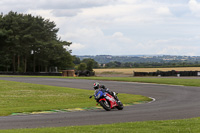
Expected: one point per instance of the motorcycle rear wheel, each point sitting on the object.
(105, 105)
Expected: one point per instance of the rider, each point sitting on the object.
(98, 87)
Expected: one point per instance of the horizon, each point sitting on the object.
(136, 55)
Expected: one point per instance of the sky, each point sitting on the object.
(120, 27)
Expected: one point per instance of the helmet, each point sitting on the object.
(96, 85)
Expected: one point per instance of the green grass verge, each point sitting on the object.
(169, 126)
(16, 97)
(170, 81)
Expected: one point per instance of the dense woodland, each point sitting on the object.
(30, 44)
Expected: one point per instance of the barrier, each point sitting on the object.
(33, 73)
(69, 73)
(85, 73)
(168, 73)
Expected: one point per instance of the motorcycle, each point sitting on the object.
(107, 101)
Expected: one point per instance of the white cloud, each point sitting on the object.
(77, 46)
(194, 7)
(179, 50)
(120, 26)
(118, 36)
(82, 34)
(72, 4)
(65, 12)
(176, 46)
(163, 11)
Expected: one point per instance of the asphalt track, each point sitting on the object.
(172, 102)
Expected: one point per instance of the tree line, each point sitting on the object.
(116, 64)
(30, 44)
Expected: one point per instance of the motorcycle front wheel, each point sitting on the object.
(120, 106)
(105, 105)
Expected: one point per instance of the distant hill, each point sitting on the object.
(102, 59)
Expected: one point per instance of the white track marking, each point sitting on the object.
(153, 99)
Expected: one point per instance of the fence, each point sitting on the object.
(70, 73)
(33, 73)
(168, 73)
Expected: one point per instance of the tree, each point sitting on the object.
(82, 67)
(91, 63)
(114, 64)
(32, 43)
(76, 60)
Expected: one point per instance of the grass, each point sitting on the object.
(18, 97)
(170, 81)
(169, 126)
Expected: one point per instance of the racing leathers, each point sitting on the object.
(103, 89)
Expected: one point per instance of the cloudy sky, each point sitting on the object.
(120, 27)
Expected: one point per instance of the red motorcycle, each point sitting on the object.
(107, 101)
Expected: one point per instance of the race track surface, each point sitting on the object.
(172, 102)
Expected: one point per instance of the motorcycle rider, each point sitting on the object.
(98, 87)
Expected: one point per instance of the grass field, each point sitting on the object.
(129, 71)
(18, 97)
(169, 126)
